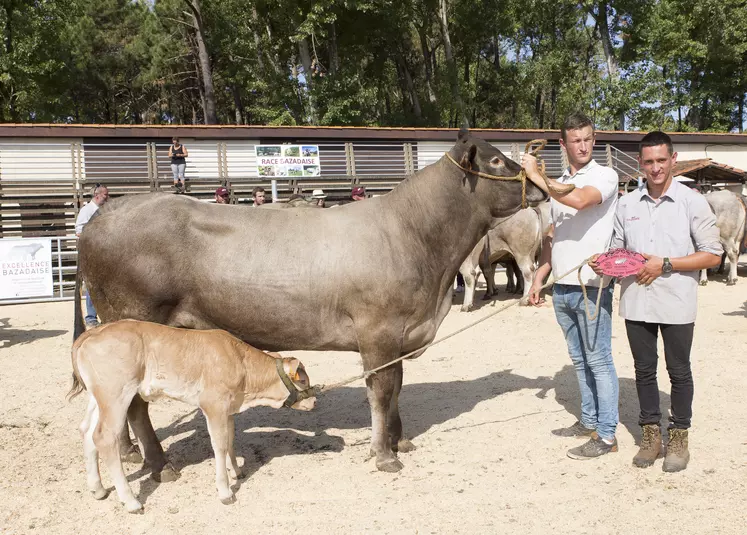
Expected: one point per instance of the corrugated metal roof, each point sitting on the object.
(707, 169)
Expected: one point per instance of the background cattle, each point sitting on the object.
(373, 277)
(731, 219)
(519, 236)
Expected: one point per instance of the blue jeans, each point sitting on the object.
(177, 169)
(90, 310)
(590, 348)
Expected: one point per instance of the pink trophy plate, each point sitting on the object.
(620, 262)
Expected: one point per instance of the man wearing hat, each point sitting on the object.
(319, 195)
(358, 193)
(221, 196)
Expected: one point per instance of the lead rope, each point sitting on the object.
(320, 389)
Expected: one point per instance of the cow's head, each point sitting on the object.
(503, 197)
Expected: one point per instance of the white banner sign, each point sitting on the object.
(288, 160)
(25, 268)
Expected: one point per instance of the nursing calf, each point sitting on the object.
(209, 369)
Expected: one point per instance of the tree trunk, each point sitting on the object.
(211, 115)
(450, 62)
(238, 105)
(609, 51)
(409, 87)
(257, 40)
(303, 51)
(334, 58)
(427, 53)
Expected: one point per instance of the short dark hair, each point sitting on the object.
(575, 121)
(654, 139)
(257, 189)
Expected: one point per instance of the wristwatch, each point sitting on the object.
(667, 267)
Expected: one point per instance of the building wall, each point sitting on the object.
(734, 155)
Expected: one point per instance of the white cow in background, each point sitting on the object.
(731, 219)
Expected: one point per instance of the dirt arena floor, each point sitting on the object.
(479, 408)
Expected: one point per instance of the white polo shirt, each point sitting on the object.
(85, 215)
(580, 234)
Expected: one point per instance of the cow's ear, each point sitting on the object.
(468, 158)
(463, 133)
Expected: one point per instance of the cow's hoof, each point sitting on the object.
(100, 494)
(731, 283)
(167, 474)
(524, 301)
(133, 455)
(466, 308)
(703, 283)
(405, 446)
(391, 465)
(228, 501)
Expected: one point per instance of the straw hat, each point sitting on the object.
(318, 194)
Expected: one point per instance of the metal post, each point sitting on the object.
(515, 154)
(225, 163)
(59, 264)
(609, 155)
(350, 159)
(409, 160)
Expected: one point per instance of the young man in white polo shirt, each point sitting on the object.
(582, 223)
(100, 195)
(675, 229)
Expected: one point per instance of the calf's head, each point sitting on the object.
(502, 197)
(301, 395)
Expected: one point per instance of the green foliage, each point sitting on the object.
(641, 64)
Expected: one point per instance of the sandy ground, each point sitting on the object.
(479, 407)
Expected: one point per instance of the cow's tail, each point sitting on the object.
(79, 326)
(78, 329)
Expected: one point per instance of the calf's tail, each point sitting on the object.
(78, 385)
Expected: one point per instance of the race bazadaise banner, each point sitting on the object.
(288, 160)
(25, 268)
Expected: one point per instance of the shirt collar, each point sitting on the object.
(670, 194)
(585, 169)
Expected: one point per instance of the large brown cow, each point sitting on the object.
(304, 279)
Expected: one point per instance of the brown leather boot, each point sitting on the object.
(677, 452)
(651, 446)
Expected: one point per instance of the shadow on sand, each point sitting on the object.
(10, 337)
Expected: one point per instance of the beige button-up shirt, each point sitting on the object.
(676, 226)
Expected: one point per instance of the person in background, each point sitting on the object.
(358, 193)
(674, 228)
(100, 195)
(222, 196)
(258, 195)
(319, 196)
(178, 154)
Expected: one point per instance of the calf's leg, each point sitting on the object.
(470, 283)
(703, 277)
(234, 471)
(161, 468)
(217, 422)
(112, 416)
(90, 453)
(526, 266)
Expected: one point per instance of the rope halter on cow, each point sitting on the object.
(522, 176)
(295, 395)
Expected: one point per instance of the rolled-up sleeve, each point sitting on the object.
(703, 229)
(618, 233)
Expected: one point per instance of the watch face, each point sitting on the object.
(667, 267)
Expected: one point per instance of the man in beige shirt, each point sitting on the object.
(674, 229)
